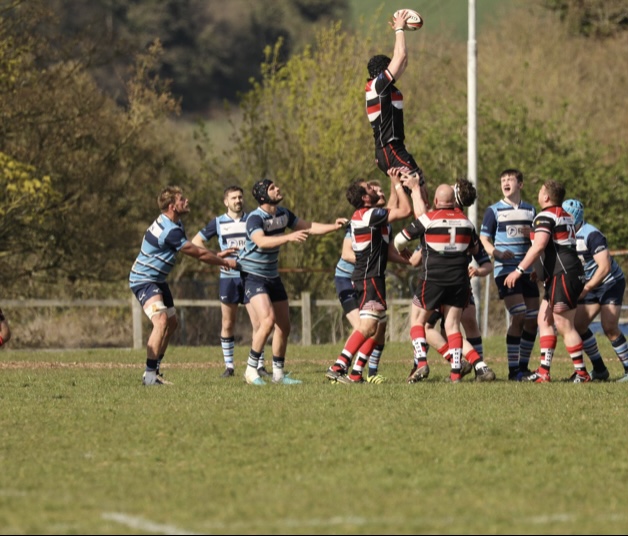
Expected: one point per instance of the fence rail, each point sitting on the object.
(305, 303)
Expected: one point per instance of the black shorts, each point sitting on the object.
(524, 286)
(564, 288)
(395, 154)
(372, 294)
(430, 295)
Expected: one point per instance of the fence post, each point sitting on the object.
(306, 318)
(138, 317)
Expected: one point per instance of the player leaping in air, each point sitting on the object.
(384, 106)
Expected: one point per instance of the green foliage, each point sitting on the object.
(592, 18)
(211, 47)
(99, 159)
(303, 125)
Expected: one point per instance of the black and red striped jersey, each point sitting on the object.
(370, 238)
(561, 254)
(384, 107)
(447, 236)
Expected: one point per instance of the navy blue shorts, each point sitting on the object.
(523, 286)
(347, 294)
(231, 291)
(611, 294)
(254, 285)
(146, 291)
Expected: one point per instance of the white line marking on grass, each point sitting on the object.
(144, 525)
(296, 523)
(12, 493)
(552, 518)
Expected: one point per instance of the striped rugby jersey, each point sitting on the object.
(370, 237)
(264, 262)
(446, 237)
(231, 234)
(345, 268)
(560, 255)
(507, 226)
(384, 107)
(589, 242)
(157, 257)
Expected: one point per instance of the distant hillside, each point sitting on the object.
(448, 15)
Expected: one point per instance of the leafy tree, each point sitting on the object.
(211, 47)
(592, 18)
(303, 125)
(85, 163)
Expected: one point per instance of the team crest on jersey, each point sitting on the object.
(279, 222)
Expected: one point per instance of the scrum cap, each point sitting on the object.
(576, 209)
(260, 191)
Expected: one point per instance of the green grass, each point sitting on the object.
(86, 450)
(439, 15)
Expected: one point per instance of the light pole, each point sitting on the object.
(472, 150)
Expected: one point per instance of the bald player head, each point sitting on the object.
(444, 197)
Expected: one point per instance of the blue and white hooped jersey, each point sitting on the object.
(345, 268)
(157, 257)
(264, 262)
(590, 241)
(231, 234)
(508, 227)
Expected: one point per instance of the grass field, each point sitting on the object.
(87, 450)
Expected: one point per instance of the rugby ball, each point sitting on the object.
(414, 22)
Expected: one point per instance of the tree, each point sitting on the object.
(211, 47)
(85, 163)
(592, 18)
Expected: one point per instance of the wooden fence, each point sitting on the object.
(306, 303)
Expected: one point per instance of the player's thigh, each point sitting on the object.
(585, 313)
(263, 309)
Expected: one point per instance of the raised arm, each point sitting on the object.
(404, 207)
(399, 61)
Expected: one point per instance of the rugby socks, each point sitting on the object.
(621, 349)
(577, 357)
(260, 364)
(526, 346)
(476, 342)
(228, 347)
(252, 364)
(151, 365)
(374, 359)
(419, 343)
(278, 364)
(590, 347)
(444, 351)
(363, 357)
(512, 351)
(353, 344)
(475, 359)
(160, 358)
(455, 349)
(548, 347)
